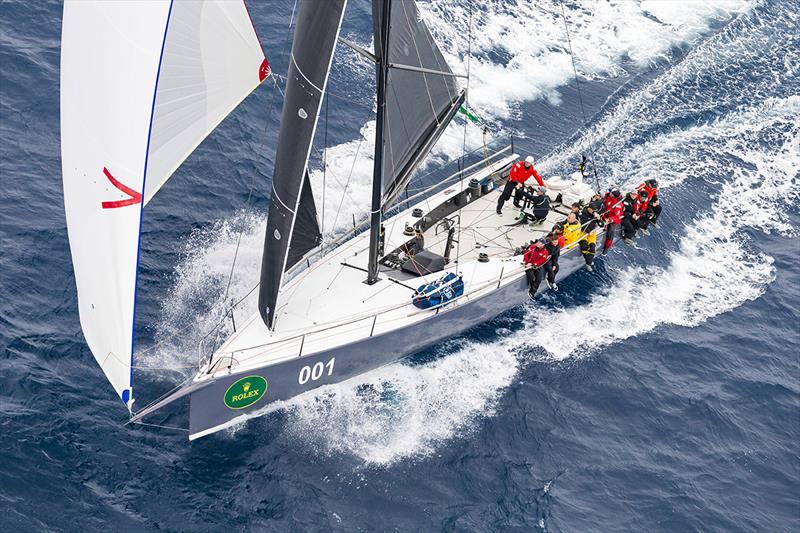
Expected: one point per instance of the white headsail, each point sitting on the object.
(142, 84)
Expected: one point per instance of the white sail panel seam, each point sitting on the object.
(321, 91)
(180, 162)
(276, 196)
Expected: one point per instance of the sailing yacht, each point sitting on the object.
(142, 84)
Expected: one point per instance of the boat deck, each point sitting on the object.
(329, 304)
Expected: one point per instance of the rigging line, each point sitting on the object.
(580, 95)
(163, 396)
(329, 92)
(463, 163)
(253, 178)
(160, 426)
(325, 163)
(349, 176)
(388, 142)
(429, 37)
(252, 181)
(277, 85)
(142, 367)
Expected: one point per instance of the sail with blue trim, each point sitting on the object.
(142, 84)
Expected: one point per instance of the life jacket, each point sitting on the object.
(535, 256)
(640, 206)
(651, 191)
(572, 232)
(520, 174)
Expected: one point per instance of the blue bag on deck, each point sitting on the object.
(439, 292)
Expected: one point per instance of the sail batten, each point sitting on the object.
(142, 84)
(292, 229)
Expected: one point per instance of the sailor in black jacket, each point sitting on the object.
(540, 204)
(628, 220)
(554, 249)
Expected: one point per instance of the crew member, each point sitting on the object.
(650, 186)
(588, 244)
(519, 174)
(597, 204)
(554, 249)
(643, 212)
(630, 216)
(537, 262)
(540, 204)
(572, 230)
(558, 231)
(612, 216)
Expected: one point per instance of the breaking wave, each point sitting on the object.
(512, 65)
(520, 51)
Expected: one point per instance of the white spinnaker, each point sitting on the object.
(142, 84)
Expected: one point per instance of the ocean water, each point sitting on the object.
(661, 393)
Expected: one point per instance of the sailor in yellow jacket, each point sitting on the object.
(581, 230)
(572, 230)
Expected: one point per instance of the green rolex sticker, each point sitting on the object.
(245, 392)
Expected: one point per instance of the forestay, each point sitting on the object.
(292, 228)
(142, 84)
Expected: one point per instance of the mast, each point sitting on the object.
(382, 65)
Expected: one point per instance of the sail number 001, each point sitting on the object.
(315, 372)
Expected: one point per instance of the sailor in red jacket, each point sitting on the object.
(519, 174)
(643, 212)
(612, 215)
(537, 261)
(650, 186)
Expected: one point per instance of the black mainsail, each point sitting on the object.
(292, 228)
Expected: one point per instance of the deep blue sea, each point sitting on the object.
(661, 393)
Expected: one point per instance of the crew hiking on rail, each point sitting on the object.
(633, 212)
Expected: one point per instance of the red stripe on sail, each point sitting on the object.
(135, 197)
(263, 71)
